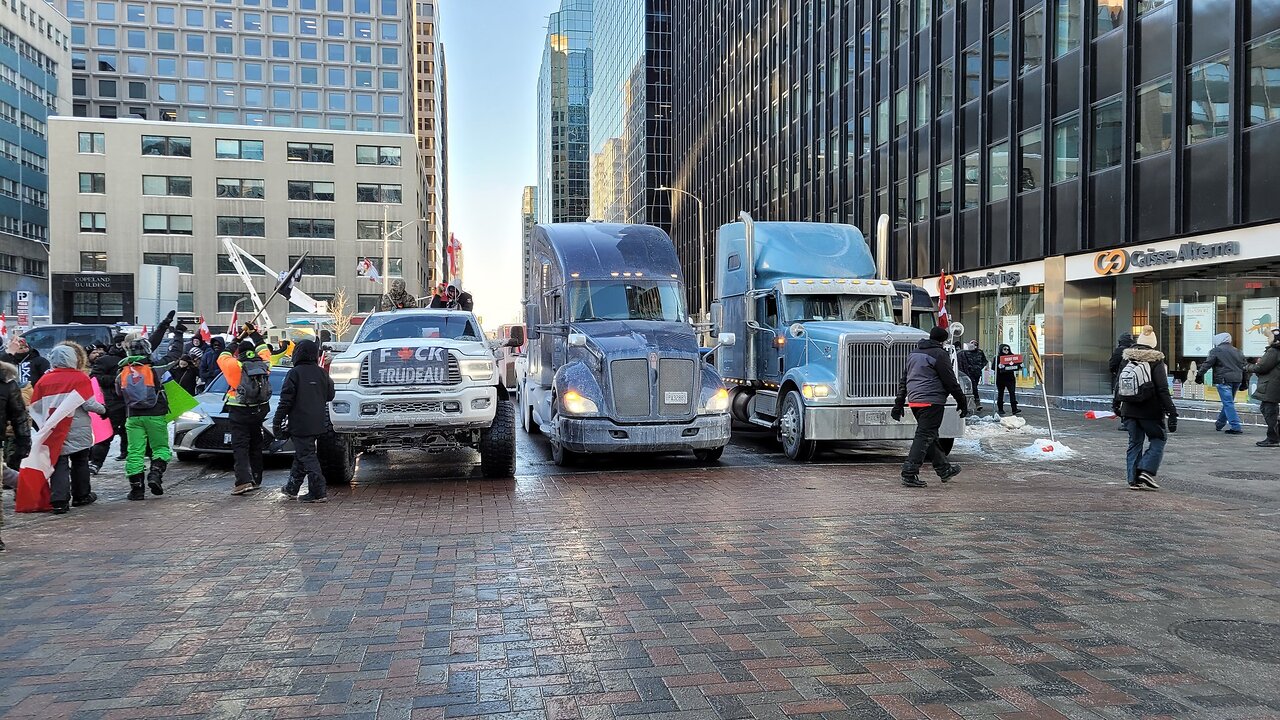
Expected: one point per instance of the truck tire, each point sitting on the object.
(498, 443)
(527, 423)
(187, 456)
(946, 444)
(791, 429)
(709, 456)
(337, 459)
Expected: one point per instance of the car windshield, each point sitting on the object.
(806, 308)
(626, 300)
(219, 385)
(418, 327)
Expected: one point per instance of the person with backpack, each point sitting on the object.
(1227, 363)
(1007, 370)
(303, 414)
(1267, 392)
(141, 387)
(1143, 401)
(104, 365)
(248, 374)
(972, 362)
(927, 381)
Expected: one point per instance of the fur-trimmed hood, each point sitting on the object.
(1139, 353)
(8, 372)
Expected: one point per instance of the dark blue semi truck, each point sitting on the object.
(614, 364)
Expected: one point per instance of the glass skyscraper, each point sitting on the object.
(564, 95)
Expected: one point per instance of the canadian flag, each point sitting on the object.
(454, 252)
(944, 317)
(203, 332)
(366, 269)
(52, 411)
(235, 321)
(4, 326)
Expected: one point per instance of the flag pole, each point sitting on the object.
(276, 291)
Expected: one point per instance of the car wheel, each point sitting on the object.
(498, 443)
(337, 459)
(187, 456)
(791, 430)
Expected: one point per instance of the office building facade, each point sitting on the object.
(430, 116)
(631, 112)
(35, 82)
(132, 192)
(1047, 154)
(564, 115)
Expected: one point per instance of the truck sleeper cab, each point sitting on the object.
(613, 364)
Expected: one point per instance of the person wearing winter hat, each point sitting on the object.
(1147, 338)
(1143, 401)
(252, 359)
(1006, 378)
(927, 382)
(1227, 363)
(69, 483)
(140, 385)
(1267, 392)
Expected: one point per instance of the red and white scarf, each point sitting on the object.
(54, 401)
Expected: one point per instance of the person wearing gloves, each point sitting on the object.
(69, 483)
(1227, 363)
(208, 368)
(1268, 391)
(1143, 401)
(248, 374)
(141, 387)
(31, 365)
(303, 414)
(972, 362)
(1006, 379)
(927, 381)
(104, 364)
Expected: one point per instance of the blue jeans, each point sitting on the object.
(1152, 431)
(1228, 415)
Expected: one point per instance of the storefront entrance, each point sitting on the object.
(93, 298)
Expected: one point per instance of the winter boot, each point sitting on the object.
(293, 487)
(913, 480)
(156, 477)
(137, 488)
(94, 468)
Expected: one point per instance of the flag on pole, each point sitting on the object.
(290, 278)
(203, 331)
(366, 269)
(944, 317)
(454, 251)
(235, 322)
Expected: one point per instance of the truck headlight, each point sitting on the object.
(575, 404)
(717, 403)
(344, 372)
(476, 369)
(812, 391)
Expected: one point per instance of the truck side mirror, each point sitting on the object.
(517, 337)
(727, 339)
(577, 340)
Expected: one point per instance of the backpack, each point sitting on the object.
(1134, 383)
(255, 383)
(138, 387)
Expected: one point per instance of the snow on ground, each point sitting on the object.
(1043, 449)
(992, 426)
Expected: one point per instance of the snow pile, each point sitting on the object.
(992, 427)
(1044, 449)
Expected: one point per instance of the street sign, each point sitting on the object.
(24, 308)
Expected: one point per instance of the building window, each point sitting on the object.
(1066, 35)
(242, 226)
(182, 261)
(1001, 56)
(396, 264)
(316, 265)
(1108, 131)
(91, 142)
(229, 302)
(922, 196)
(35, 268)
(945, 189)
(373, 229)
(882, 123)
(91, 222)
(1030, 161)
(1032, 40)
(239, 149)
(166, 224)
(166, 146)
(310, 152)
(374, 193)
(242, 189)
(1066, 148)
(377, 155)
(972, 74)
(367, 303)
(186, 302)
(1264, 80)
(173, 185)
(93, 182)
(312, 228)
(1109, 15)
(922, 102)
(309, 190)
(998, 172)
(225, 267)
(972, 180)
(1153, 124)
(900, 110)
(1209, 99)
(93, 261)
(946, 87)
(1146, 6)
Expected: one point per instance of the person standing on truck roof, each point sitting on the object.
(303, 414)
(246, 371)
(398, 298)
(927, 382)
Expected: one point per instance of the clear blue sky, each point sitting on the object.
(494, 49)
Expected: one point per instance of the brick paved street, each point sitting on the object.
(656, 588)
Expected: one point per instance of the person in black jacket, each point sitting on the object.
(208, 368)
(1146, 418)
(13, 418)
(185, 373)
(972, 362)
(1124, 342)
(927, 381)
(104, 365)
(1006, 380)
(1227, 363)
(303, 414)
(31, 365)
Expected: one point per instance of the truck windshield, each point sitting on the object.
(626, 300)
(805, 308)
(417, 327)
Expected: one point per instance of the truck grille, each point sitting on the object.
(675, 384)
(412, 408)
(630, 381)
(455, 373)
(875, 368)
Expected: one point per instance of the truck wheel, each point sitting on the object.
(337, 459)
(527, 423)
(560, 456)
(187, 456)
(946, 444)
(498, 443)
(791, 430)
(709, 456)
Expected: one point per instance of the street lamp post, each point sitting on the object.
(48, 274)
(702, 252)
(386, 247)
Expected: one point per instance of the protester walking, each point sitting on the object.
(972, 362)
(104, 365)
(69, 484)
(31, 366)
(1267, 392)
(140, 386)
(1227, 364)
(248, 374)
(1007, 369)
(186, 374)
(1142, 399)
(1124, 342)
(303, 414)
(927, 381)
(17, 425)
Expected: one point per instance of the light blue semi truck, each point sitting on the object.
(820, 351)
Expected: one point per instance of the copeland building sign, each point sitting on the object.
(1244, 244)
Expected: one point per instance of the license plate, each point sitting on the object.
(409, 366)
(873, 417)
(226, 438)
(676, 398)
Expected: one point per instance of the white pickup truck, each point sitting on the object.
(422, 380)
